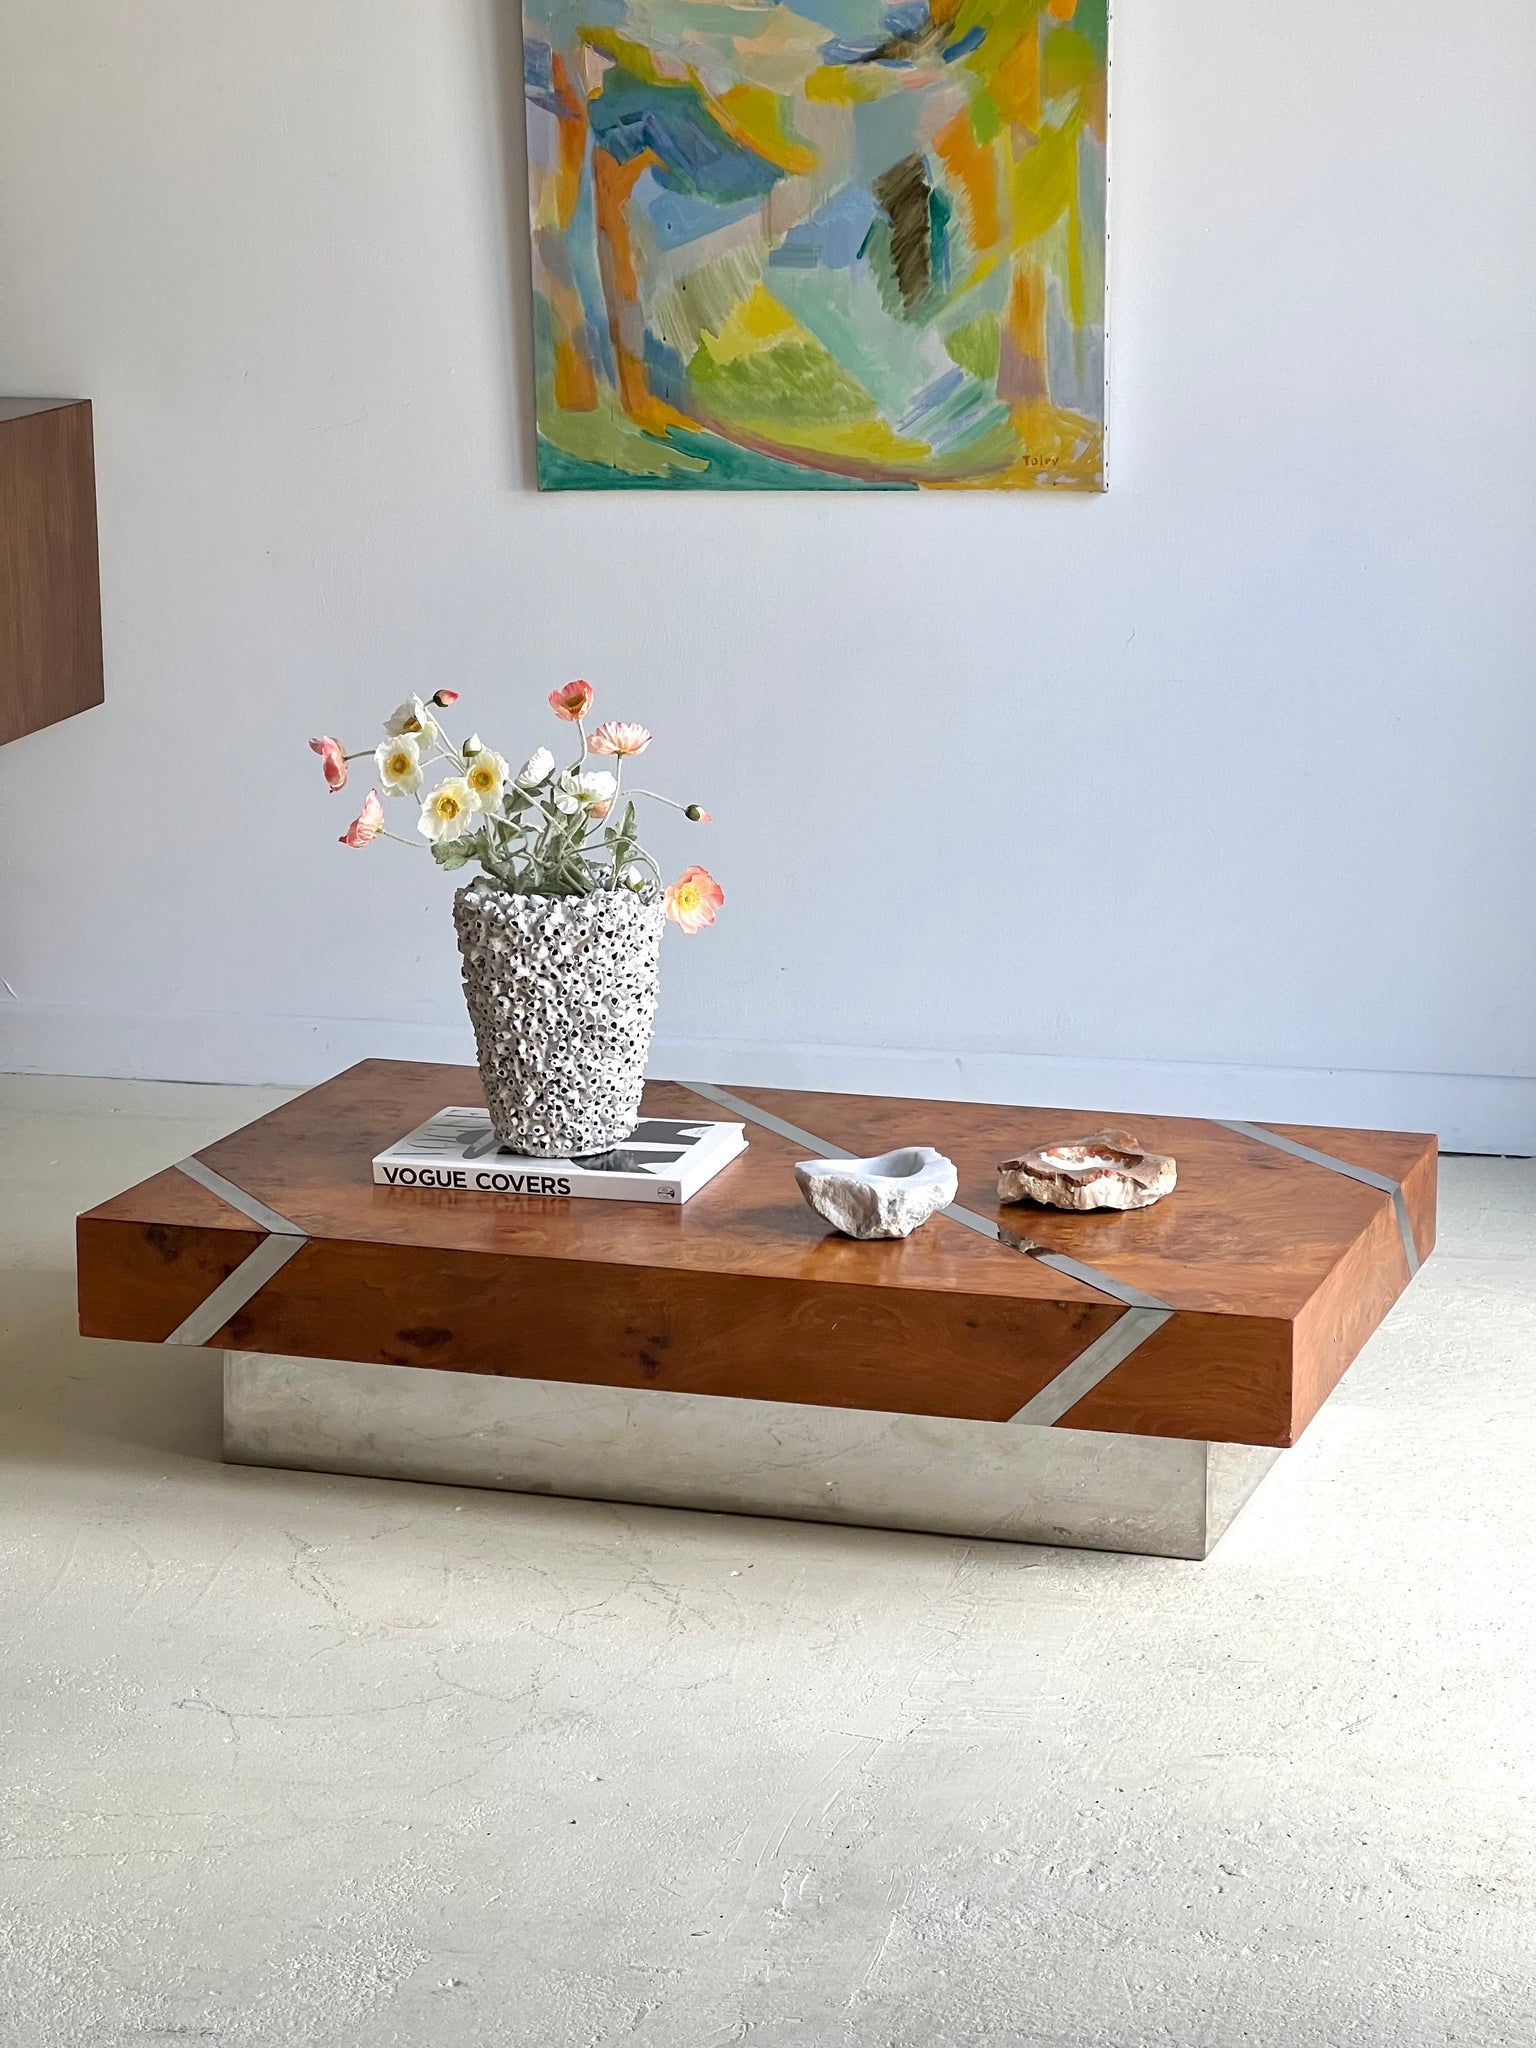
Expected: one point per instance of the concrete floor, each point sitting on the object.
(296, 1760)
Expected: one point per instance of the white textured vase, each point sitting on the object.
(562, 994)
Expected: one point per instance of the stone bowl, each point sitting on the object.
(1105, 1170)
(888, 1195)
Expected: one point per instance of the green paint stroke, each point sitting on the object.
(713, 464)
(977, 347)
(792, 381)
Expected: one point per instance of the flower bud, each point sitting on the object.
(698, 814)
(444, 698)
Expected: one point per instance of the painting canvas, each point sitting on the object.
(828, 245)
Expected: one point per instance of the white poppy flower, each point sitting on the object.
(400, 765)
(592, 792)
(448, 812)
(411, 717)
(536, 769)
(598, 790)
(485, 772)
(597, 787)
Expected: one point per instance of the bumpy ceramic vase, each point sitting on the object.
(562, 994)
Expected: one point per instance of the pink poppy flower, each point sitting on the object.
(368, 823)
(614, 737)
(571, 703)
(333, 760)
(443, 698)
(693, 899)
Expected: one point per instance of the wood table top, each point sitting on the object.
(1276, 1266)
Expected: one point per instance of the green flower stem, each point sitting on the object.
(442, 740)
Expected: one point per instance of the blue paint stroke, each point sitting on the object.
(971, 40)
(833, 237)
(694, 154)
(677, 218)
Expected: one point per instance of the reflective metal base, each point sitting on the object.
(1161, 1496)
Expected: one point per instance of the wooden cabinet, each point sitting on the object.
(50, 588)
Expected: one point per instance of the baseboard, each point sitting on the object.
(1470, 1112)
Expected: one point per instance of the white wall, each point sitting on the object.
(1213, 794)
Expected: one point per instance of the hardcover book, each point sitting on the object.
(662, 1160)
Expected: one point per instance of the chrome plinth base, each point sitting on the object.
(1160, 1496)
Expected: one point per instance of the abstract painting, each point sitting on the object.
(828, 245)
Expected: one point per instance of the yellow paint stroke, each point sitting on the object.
(1057, 441)
(685, 311)
(755, 323)
(636, 58)
(1043, 185)
(866, 440)
(1076, 303)
(862, 442)
(753, 117)
(1042, 189)
(1057, 449)
(842, 85)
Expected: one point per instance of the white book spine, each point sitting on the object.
(490, 1179)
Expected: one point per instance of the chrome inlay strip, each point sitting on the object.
(1405, 1228)
(1144, 1312)
(1074, 1269)
(237, 1198)
(1106, 1283)
(722, 1100)
(252, 1274)
(1361, 1173)
(241, 1286)
(1307, 1152)
(1127, 1334)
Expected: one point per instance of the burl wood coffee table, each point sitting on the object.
(1116, 1381)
